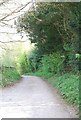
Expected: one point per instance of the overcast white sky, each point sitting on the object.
(6, 9)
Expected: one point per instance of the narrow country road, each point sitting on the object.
(33, 98)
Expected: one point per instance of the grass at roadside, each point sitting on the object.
(67, 84)
(45, 75)
(9, 78)
(0, 76)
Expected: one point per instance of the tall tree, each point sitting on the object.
(53, 27)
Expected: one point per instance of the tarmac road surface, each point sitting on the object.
(33, 97)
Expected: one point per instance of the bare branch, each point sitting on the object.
(3, 1)
(9, 32)
(15, 11)
(4, 23)
(12, 41)
(12, 18)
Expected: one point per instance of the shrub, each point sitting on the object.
(52, 63)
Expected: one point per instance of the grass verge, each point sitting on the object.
(68, 85)
(9, 78)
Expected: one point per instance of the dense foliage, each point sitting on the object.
(55, 30)
(54, 27)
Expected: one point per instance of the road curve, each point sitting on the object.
(33, 98)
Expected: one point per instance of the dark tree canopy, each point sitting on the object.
(54, 27)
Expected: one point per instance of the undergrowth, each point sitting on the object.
(68, 85)
(9, 77)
